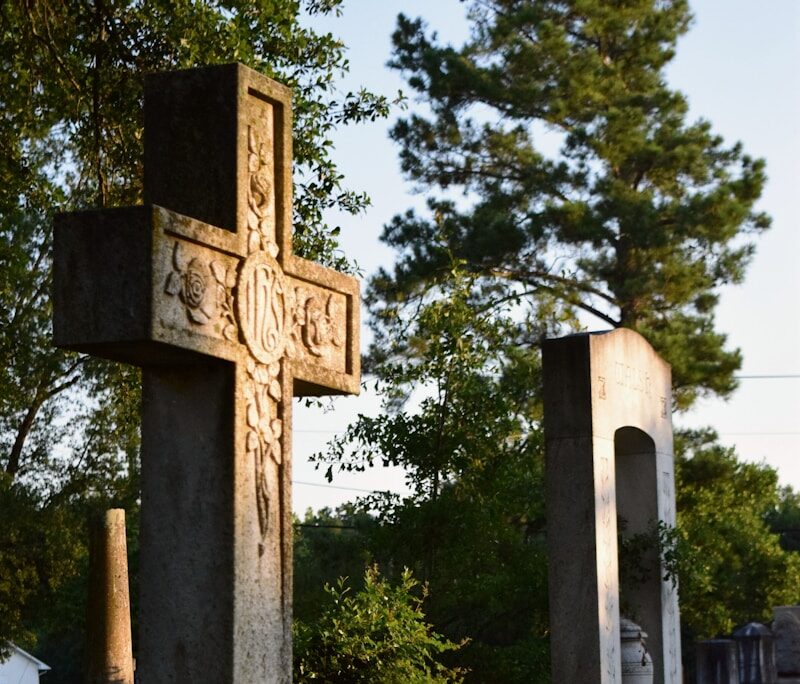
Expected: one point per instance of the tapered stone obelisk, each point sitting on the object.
(108, 626)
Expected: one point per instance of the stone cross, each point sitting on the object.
(608, 441)
(201, 289)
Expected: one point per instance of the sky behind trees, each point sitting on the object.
(738, 67)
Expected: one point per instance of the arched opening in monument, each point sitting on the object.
(637, 516)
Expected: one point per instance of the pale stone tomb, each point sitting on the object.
(201, 289)
(608, 434)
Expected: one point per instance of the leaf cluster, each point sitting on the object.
(377, 634)
(736, 570)
(462, 418)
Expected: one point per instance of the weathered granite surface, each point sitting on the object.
(608, 434)
(200, 288)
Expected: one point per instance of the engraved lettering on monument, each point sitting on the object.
(228, 324)
(632, 378)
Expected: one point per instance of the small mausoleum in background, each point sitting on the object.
(21, 668)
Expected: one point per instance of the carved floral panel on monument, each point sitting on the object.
(199, 286)
(260, 182)
(316, 335)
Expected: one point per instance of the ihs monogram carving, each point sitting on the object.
(262, 306)
(206, 290)
(263, 393)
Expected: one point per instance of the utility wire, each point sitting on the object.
(330, 486)
(776, 376)
(760, 434)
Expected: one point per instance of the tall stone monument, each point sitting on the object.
(201, 289)
(608, 434)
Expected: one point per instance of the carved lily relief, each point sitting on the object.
(262, 394)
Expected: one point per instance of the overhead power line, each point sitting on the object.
(330, 486)
(775, 376)
(759, 434)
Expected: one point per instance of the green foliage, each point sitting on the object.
(785, 519)
(39, 552)
(461, 420)
(327, 545)
(378, 634)
(672, 554)
(736, 570)
(586, 188)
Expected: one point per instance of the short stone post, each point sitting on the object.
(717, 662)
(108, 639)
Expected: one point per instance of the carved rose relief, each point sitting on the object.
(190, 281)
(314, 323)
(263, 393)
(206, 290)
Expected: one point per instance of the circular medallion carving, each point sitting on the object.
(261, 306)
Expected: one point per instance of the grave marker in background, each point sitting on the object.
(201, 289)
(109, 658)
(608, 433)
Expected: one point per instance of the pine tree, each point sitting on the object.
(585, 188)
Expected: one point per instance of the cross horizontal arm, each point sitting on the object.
(144, 285)
(325, 329)
(149, 286)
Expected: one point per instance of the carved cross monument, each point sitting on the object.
(201, 289)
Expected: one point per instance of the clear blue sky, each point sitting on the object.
(740, 68)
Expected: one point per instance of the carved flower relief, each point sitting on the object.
(190, 280)
(260, 194)
(206, 291)
(263, 393)
(314, 323)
